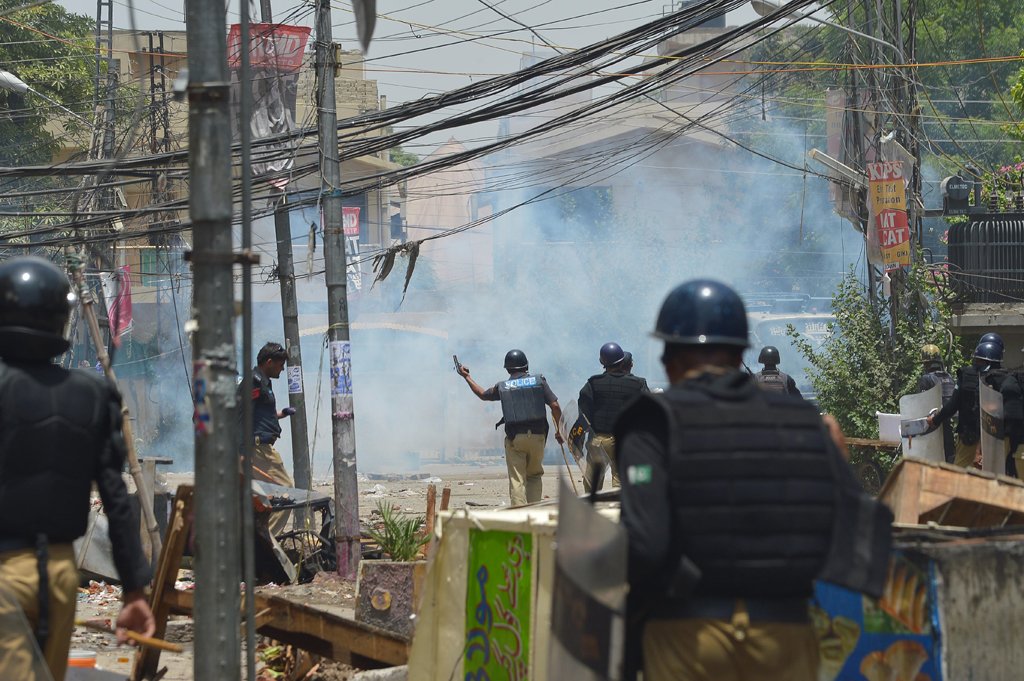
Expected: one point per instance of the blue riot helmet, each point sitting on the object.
(988, 354)
(611, 354)
(702, 312)
(992, 337)
(515, 360)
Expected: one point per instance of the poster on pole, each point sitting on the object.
(341, 368)
(993, 446)
(887, 191)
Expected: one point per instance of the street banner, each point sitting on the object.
(117, 292)
(888, 212)
(588, 608)
(350, 220)
(275, 59)
(993, 444)
(894, 638)
(499, 605)
(917, 406)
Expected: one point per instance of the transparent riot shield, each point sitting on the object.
(20, 657)
(573, 431)
(993, 446)
(913, 408)
(589, 602)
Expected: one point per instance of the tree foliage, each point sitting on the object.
(860, 368)
(52, 51)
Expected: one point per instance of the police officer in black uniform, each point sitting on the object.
(966, 402)
(60, 432)
(935, 374)
(770, 378)
(523, 397)
(601, 399)
(731, 497)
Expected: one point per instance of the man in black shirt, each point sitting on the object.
(60, 432)
(601, 399)
(523, 397)
(267, 463)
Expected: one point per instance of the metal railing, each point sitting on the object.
(986, 259)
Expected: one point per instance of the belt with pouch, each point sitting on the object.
(790, 610)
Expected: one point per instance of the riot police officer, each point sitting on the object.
(770, 378)
(729, 500)
(966, 402)
(935, 374)
(601, 399)
(522, 397)
(60, 432)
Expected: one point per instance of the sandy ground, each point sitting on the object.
(473, 486)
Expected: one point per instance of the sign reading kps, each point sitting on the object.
(888, 194)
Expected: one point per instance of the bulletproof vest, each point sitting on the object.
(945, 381)
(753, 491)
(772, 380)
(969, 415)
(55, 425)
(611, 393)
(522, 404)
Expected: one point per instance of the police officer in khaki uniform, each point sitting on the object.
(601, 399)
(735, 499)
(267, 463)
(60, 432)
(522, 397)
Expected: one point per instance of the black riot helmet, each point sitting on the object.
(992, 337)
(988, 355)
(35, 303)
(515, 360)
(611, 354)
(769, 356)
(702, 312)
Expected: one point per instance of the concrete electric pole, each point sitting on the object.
(346, 497)
(218, 545)
(290, 312)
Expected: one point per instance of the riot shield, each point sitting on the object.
(20, 657)
(912, 408)
(993, 446)
(572, 430)
(589, 602)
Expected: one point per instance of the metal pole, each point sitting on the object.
(290, 312)
(346, 499)
(217, 567)
(248, 522)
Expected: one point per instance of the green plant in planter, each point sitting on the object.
(400, 536)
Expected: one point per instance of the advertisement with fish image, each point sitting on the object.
(894, 638)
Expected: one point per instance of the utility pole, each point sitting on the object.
(218, 545)
(346, 493)
(290, 312)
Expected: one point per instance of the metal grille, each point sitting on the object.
(986, 259)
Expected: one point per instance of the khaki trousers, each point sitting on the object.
(720, 650)
(601, 451)
(269, 467)
(19, 579)
(524, 455)
(965, 453)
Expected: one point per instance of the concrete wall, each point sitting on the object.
(981, 601)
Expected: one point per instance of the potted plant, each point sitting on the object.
(387, 589)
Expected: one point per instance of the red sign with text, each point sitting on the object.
(888, 203)
(350, 220)
(274, 46)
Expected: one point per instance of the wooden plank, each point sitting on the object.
(179, 525)
(317, 631)
(921, 491)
